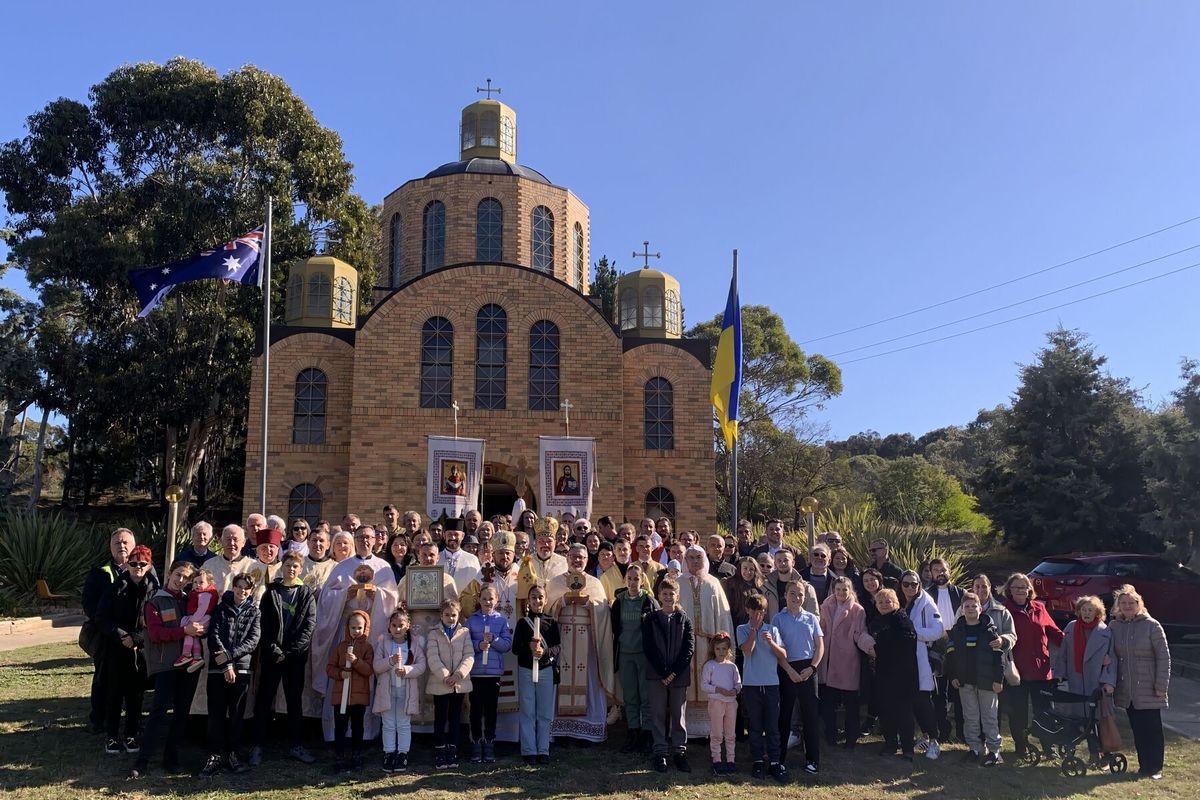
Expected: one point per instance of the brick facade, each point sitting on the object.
(375, 428)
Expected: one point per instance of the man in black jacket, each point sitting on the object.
(120, 545)
(288, 618)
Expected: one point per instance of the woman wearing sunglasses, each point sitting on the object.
(122, 624)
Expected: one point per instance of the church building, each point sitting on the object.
(484, 315)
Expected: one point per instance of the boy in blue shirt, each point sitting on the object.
(762, 655)
(802, 641)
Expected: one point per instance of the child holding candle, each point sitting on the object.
(449, 658)
(490, 639)
(399, 663)
(351, 666)
(536, 641)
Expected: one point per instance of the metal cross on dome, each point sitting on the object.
(646, 254)
(489, 89)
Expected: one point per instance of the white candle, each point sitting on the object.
(537, 635)
(487, 630)
(346, 681)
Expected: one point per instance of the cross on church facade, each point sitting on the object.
(488, 89)
(566, 406)
(646, 254)
(454, 405)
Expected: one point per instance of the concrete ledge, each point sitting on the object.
(66, 618)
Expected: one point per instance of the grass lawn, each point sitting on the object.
(45, 752)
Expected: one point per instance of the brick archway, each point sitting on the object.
(500, 492)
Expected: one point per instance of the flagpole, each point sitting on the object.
(733, 495)
(264, 278)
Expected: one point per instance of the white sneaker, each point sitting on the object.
(794, 740)
(614, 715)
(934, 751)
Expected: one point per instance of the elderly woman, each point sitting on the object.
(1143, 675)
(843, 622)
(1086, 660)
(892, 645)
(927, 622)
(1036, 631)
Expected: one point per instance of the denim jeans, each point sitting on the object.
(537, 710)
(397, 727)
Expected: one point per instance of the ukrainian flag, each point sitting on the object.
(727, 369)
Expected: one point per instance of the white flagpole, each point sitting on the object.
(264, 279)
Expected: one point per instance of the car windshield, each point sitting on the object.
(1053, 569)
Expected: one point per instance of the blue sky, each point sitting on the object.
(866, 159)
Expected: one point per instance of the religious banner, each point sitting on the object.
(454, 476)
(568, 467)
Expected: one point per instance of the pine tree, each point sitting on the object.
(604, 286)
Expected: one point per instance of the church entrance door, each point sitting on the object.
(500, 491)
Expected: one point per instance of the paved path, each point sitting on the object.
(47, 635)
(1183, 716)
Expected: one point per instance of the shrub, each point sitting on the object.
(908, 545)
(45, 546)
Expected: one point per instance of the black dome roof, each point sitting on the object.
(488, 166)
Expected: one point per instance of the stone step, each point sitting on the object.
(58, 619)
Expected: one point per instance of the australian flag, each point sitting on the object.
(238, 260)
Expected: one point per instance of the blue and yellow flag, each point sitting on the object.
(727, 368)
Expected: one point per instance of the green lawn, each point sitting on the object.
(45, 752)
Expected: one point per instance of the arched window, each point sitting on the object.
(433, 241)
(468, 131)
(652, 307)
(577, 257)
(304, 502)
(660, 414)
(394, 253)
(295, 296)
(437, 357)
(543, 366)
(489, 128)
(543, 239)
(672, 311)
(343, 308)
(660, 502)
(318, 295)
(491, 355)
(628, 309)
(308, 416)
(508, 139)
(489, 230)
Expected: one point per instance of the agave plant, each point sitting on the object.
(39, 546)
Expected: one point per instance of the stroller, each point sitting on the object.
(1061, 730)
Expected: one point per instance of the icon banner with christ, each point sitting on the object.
(568, 466)
(454, 476)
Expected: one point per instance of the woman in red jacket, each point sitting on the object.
(1031, 655)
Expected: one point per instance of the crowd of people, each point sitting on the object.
(552, 630)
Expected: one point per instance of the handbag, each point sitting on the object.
(89, 638)
(1110, 735)
(1011, 676)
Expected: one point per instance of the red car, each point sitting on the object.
(1171, 591)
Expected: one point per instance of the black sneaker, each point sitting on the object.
(759, 771)
(387, 762)
(543, 759)
(213, 766)
(235, 764)
(112, 747)
(529, 760)
(301, 754)
(400, 762)
(971, 757)
(131, 745)
(681, 762)
(811, 768)
(660, 763)
(256, 756)
(780, 773)
(992, 759)
(439, 759)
